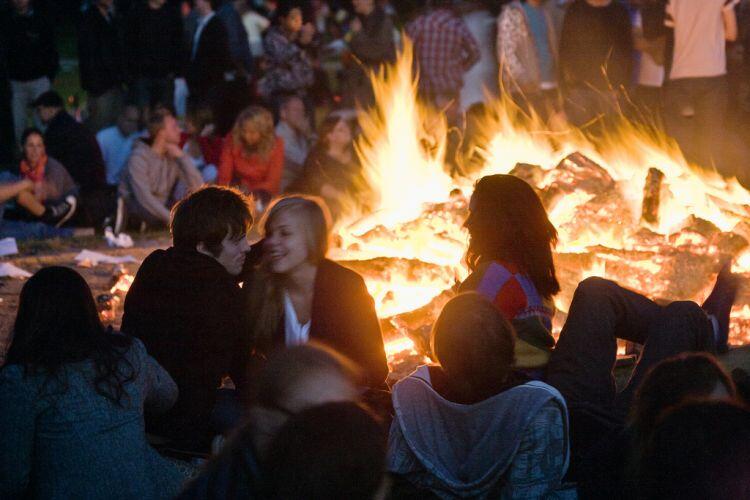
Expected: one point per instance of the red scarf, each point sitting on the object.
(34, 173)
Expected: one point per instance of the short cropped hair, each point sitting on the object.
(316, 216)
(209, 215)
(29, 132)
(156, 121)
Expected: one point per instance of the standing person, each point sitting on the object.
(31, 55)
(72, 401)
(210, 56)
(154, 52)
(482, 77)
(596, 59)
(371, 42)
(101, 63)
(239, 43)
(116, 143)
(294, 129)
(696, 93)
(185, 306)
(527, 53)
(255, 25)
(289, 69)
(444, 50)
(651, 46)
(297, 295)
(252, 156)
(154, 169)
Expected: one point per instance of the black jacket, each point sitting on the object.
(187, 310)
(343, 317)
(75, 146)
(100, 52)
(153, 42)
(212, 59)
(30, 44)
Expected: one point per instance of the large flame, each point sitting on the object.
(412, 243)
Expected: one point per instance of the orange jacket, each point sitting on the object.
(251, 172)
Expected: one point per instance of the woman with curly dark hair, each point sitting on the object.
(72, 397)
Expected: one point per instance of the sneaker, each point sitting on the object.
(719, 304)
(59, 213)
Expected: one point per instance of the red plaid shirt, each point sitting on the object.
(444, 50)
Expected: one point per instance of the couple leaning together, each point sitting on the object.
(504, 409)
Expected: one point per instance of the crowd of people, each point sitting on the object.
(260, 371)
(248, 82)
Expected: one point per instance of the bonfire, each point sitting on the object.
(627, 207)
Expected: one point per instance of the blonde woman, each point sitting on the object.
(252, 157)
(298, 295)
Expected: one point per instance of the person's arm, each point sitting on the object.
(161, 389)
(369, 337)
(189, 174)
(272, 182)
(540, 462)
(10, 190)
(226, 163)
(17, 413)
(138, 170)
(730, 20)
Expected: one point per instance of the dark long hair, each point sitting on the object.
(508, 223)
(57, 324)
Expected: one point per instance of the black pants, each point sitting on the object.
(582, 363)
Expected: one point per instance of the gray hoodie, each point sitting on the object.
(150, 179)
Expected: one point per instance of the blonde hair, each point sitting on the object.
(317, 221)
(261, 120)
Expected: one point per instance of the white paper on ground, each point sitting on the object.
(8, 246)
(9, 270)
(88, 258)
(122, 240)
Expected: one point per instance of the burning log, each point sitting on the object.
(577, 172)
(652, 196)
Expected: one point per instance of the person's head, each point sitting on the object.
(699, 450)
(205, 7)
(335, 133)
(163, 127)
(292, 112)
(335, 450)
(215, 221)
(253, 130)
(57, 323)
(507, 222)
(674, 380)
(296, 230)
(33, 145)
(288, 15)
(474, 345)
(363, 7)
(21, 6)
(198, 117)
(127, 121)
(48, 105)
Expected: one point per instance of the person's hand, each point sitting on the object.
(26, 185)
(174, 151)
(307, 33)
(356, 25)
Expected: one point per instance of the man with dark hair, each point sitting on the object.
(100, 60)
(75, 146)
(32, 57)
(185, 306)
(155, 167)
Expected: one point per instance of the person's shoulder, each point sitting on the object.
(334, 271)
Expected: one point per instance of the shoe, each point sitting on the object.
(59, 213)
(719, 304)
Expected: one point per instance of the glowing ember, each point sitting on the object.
(410, 246)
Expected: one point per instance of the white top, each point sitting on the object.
(295, 333)
(699, 44)
(650, 74)
(255, 25)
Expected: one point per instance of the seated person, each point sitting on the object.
(74, 145)
(332, 169)
(72, 398)
(294, 129)
(185, 305)
(610, 470)
(470, 426)
(296, 294)
(200, 141)
(700, 450)
(52, 197)
(252, 157)
(290, 382)
(154, 168)
(116, 142)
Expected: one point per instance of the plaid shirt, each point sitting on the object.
(444, 50)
